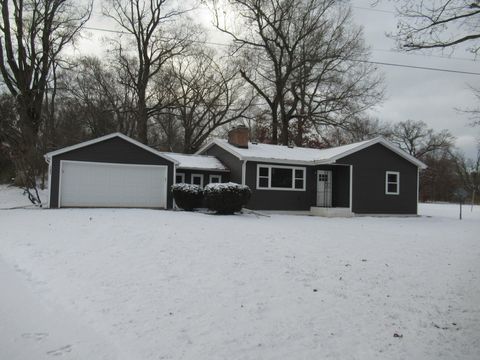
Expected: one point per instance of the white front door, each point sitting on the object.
(324, 188)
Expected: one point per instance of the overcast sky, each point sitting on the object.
(430, 96)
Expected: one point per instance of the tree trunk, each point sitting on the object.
(142, 119)
(274, 127)
(285, 128)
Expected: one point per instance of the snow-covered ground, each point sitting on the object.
(14, 197)
(145, 284)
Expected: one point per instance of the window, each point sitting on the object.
(392, 183)
(299, 178)
(179, 178)
(276, 177)
(281, 178)
(263, 176)
(197, 179)
(215, 179)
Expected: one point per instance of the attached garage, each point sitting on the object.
(91, 184)
(111, 171)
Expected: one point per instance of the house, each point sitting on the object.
(368, 177)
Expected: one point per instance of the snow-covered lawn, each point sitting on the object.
(145, 284)
(13, 197)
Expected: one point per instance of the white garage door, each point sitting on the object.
(91, 184)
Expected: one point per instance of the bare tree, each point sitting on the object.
(434, 24)
(473, 112)
(358, 129)
(102, 95)
(10, 134)
(154, 36)
(439, 180)
(418, 140)
(468, 171)
(334, 82)
(33, 34)
(294, 48)
(207, 94)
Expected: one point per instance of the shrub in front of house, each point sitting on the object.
(226, 198)
(187, 196)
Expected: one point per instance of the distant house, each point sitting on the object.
(369, 177)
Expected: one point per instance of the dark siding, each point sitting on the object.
(280, 199)
(188, 175)
(369, 167)
(114, 150)
(298, 200)
(231, 161)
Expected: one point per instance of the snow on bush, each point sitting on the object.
(187, 196)
(226, 198)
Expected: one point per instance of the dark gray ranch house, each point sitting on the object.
(368, 177)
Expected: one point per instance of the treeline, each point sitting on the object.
(294, 71)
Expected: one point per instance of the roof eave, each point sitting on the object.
(50, 154)
(221, 145)
(381, 140)
(280, 161)
(200, 169)
(331, 160)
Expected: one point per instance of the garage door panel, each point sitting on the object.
(112, 185)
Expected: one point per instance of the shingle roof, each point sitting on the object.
(280, 153)
(201, 162)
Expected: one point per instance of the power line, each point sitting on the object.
(425, 55)
(418, 67)
(226, 45)
(364, 61)
(374, 10)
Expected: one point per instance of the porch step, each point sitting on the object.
(331, 212)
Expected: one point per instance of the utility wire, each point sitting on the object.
(418, 67)
(362, 61)
(425, 55)
(374, 10)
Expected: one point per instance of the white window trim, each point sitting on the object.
(395, 182)
(219, 177)
(182, 175)
(293, 168)
(201, 179)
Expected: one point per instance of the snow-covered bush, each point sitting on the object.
(187, 196)
(226, 198)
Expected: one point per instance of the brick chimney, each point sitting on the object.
(239, 136)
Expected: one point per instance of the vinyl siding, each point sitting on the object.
(369, 170)
(263, 199)
(231, 161)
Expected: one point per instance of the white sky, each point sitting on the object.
(429, 96)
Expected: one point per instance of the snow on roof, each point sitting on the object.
(201, 162)
(281, 153)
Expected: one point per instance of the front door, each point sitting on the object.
(324, 188)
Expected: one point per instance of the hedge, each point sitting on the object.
(226, 198)
(187, 196)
